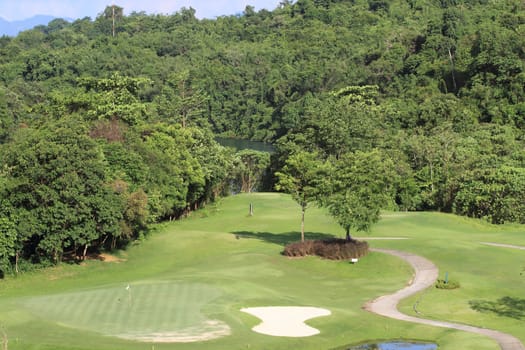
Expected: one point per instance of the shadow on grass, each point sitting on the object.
(280, 238)
(506, 306)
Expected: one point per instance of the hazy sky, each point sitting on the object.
(12, 10)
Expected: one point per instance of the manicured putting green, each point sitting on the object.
(151, 312)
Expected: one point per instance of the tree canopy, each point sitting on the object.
(108, 125)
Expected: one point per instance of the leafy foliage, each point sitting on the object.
(450, 284)
(249, 168)
(495, 194)
(302, 177)
(56, 187)
(8, 238)
(359, 189)
(413, 105)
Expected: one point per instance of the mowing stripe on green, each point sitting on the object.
(156, 312)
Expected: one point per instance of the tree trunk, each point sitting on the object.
(244, 184)
(430, 165)
(303, 209)
(113, 20)
(451, 58)
(17, 256)
(348, 236)
(104, 241)
(85, 252)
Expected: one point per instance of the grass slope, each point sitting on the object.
(211, 265)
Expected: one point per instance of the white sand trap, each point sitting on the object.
(286, 321)
(504, 245)
(379, 238)
(208, 330)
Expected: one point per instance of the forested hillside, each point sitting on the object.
(107, 125)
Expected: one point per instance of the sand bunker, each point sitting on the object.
(286, 321)
(210, 329)
(504, 245)
(379, 238)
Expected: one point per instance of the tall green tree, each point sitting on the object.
(6, 117)
(56, 185)
(343, 121)
(176, 180)
(8, 239)
(361, 185)
(249, 168)
(495, 194)
(302, 176)
(108, 21)
(116, 97)
(181, 102)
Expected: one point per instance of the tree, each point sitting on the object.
(8, 238)
(360, 187)
(56, 186)
(107, 20)
(249, 168)
(181, 102)
(116, 97)
(495, 194)
(302, 176)
(6, 117)
(176, 180)
(216, 162)
(344, 120)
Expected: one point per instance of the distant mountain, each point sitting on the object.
(14, 27)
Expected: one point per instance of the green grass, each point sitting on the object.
(209, 266)
(143, 309)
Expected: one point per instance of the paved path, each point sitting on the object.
(426, 274)
(504, 245)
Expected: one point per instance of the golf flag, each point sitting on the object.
(127, 287)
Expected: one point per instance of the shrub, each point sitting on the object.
(335, 249)
(450, 284)
(299, 249)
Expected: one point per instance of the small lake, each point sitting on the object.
(394, 345)
(240, 144)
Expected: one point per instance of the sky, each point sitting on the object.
(13, 10)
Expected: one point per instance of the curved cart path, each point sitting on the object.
(426, 274)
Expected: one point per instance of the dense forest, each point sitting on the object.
(108, 125)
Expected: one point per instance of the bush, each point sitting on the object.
(299, 249)
(450, 284)
(335, 249)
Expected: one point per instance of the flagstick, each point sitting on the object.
(128, 288)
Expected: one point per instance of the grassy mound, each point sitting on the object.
(335, 249)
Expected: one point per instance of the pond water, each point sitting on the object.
(395, 345)
(239, 144)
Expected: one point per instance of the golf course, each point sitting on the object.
(186, 284)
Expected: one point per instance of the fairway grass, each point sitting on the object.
(192, 277)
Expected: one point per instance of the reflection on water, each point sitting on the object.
(245, 144)
(395, 345)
